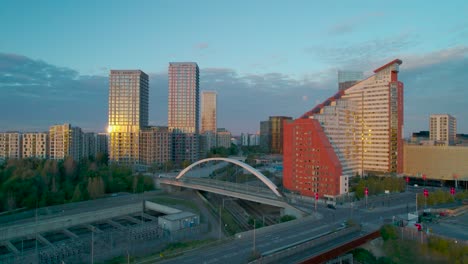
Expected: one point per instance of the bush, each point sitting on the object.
(364, 256)
(388, 232)
(286, 218)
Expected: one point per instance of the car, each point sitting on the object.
(331, 206)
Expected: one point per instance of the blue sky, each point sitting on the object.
(263, 57)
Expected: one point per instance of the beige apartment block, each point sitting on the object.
(35, 145)
(443, 129)
(436, 162)
(64, 141)
(10, 145)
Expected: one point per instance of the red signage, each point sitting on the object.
(452, 191)
(366, 191)
(426, 192)
(316, 196)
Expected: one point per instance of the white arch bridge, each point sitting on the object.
(270, 196)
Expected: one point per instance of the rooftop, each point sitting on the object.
(178, 216)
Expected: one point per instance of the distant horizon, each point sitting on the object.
(278, 59)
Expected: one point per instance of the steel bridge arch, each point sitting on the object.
(249, 168)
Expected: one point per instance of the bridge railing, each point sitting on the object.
(244, 188)
(229, 186)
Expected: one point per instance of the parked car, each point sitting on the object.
(331, 206)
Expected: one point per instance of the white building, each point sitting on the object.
(10, 145)
(64, 141)
(35, 145)
(223, 138)
(443, 129)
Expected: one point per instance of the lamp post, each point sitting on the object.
(366, 193)
(316, 200)
(426, 193)
(220, 221)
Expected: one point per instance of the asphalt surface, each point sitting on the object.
(453, 227)
(75, 208)
(238, 250)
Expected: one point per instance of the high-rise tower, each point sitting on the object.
(183, 110)
(128, 114)
(358, 130)
(208, 113)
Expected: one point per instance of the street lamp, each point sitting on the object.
(316, 199)
(254, 237)
(426, 194)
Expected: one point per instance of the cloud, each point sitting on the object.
(436, 57)
(358, 55)
(36, 94)
(350, 24)
(201, 46)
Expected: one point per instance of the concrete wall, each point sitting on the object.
(61, 222)
(437, 162)
(161, 208)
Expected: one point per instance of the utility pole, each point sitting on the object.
(416, 204)
(254, 238)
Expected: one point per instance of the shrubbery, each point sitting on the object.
(27, 183)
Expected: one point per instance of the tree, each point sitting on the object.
(77, 195)
(96, 187)
(168, 165)
(388, 232)
(185, 163)
(69, 166)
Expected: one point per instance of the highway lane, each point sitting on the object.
(75, 208)
(239, 249)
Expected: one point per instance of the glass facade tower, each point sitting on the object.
(208, 112)
(128, 114)
(183, 110)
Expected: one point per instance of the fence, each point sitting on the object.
(137, 240)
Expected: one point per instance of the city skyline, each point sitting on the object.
(271, 73)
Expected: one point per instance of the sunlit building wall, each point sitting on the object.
(65, 141)
(276, 133)
(128, 114)
(347, 79)
(208, 112)
(443, 129)
(356, 131)
(183, 110)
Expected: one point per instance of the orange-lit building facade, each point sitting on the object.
(356, 131)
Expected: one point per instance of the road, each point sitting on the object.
(75, 208)
(239, 249)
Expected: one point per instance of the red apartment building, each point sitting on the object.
(356, 131)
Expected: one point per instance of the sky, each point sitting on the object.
(264, 58)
